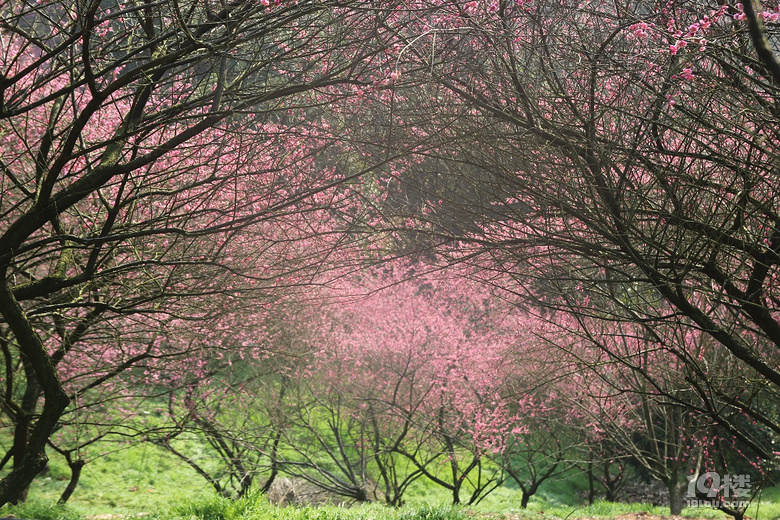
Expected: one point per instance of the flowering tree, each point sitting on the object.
(378, 379)
(640, 399)
(147, 157)
(543, 443)
(403, 384)
(622, 159)
(538, 450)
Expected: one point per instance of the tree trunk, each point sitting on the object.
(591, 484)
(675, 497)
(524, 500)
(16, 482)
(612, 484)
(528, 492)
(245, 484)
(24, 423)
(274, 461)
(14, 485)
(75, 473)
(19, 449)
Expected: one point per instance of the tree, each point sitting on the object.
(623, 164)
(230, 395)
(145, 155)
(403, 384)
(726, 478)
(381, 377)
(538, 450)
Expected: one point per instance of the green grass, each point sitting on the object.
(146, 479)
(42, 510)
(766, 506)
(126, 480)
(598, 508)
(257, 508)
(210, 507)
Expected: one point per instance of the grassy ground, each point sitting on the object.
(215, 508)
(131, 480)
(144, 480)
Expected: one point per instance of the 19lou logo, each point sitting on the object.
(715, 490)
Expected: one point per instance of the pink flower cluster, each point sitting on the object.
(640, 30)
